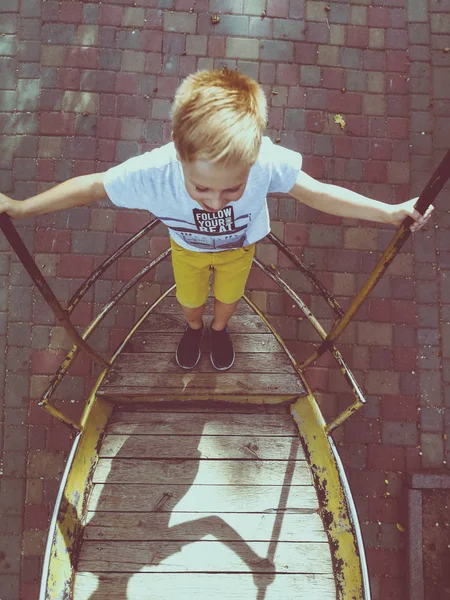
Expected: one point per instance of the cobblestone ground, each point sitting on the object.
(86, 85)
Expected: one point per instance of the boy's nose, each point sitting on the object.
(215, 202)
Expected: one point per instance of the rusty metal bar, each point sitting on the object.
(140, 321)
(64, 366)
(275, 333)
(81, 291)
(285, 287)
(346, 372)
(343, 416)
(33, 271)
(61, 417)
(427, 197)
(327, 296)
(58, 376)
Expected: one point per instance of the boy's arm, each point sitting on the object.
(78, 191)
(339, 201)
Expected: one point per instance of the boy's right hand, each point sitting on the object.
(11, 207)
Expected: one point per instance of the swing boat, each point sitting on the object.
(205, 484)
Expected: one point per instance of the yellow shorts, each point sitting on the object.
(192, 272)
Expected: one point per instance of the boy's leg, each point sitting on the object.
(194, 316)
(188, 351)
(231, 270)
(191, 270)
(222, 314)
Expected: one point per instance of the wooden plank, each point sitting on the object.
(232, 586)
(205, 555)
(209, 472)
(215, 406)
(140, 395)
(168, 342)
(196, 425)
(171, 306)
(176, 323)
(229, 383)
(212, 447)
(202, 498)
(164, 362)
(188, 526)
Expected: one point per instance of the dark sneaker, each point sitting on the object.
(188, 352)
(222, 352)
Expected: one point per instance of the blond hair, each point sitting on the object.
(219, 116)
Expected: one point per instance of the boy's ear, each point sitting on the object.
(171, 137)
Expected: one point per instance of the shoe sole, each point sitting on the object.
(222, 368)
(188, 368)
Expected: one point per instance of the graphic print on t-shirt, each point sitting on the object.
(214, 230)
(221, 221)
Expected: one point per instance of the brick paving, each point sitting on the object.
(86, 85)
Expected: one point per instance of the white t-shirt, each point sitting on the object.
(154, 181)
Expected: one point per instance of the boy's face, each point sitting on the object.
(214, 186)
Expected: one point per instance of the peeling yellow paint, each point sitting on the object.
(334, 508)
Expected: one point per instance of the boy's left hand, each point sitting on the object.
(406, 209)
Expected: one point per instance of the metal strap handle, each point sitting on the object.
(427, 197)
(17, 244)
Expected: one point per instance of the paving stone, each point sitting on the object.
(431, 419)
(232, 25)
(241, 47)
(19, 334)
(432, 446)
(254, 7)
(12, 496)
(15, 439)
(430, 388)
(276, 50)
(20, 302)
(428, 336)
(15, 416)
(399, 434)
(10, 553)
(428, 316)
(14, 464)
(290, 30)
(429, 358)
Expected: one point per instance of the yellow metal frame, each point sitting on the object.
(69, 516)
(336, 506)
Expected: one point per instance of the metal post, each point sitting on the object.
(33, 271)
(427, 197)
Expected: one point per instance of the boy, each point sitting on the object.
(209, 187)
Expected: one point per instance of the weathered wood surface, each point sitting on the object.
(211, 472)
(216, 407)
(176, 323)
(189, 526)
(125, 384)
(205, 555)
(192, 424)
(210, 447)
(164, 362)
(202, 586)
(171, 306)
(202, 498)
(217, 505)
(168, 342)
(147, 370)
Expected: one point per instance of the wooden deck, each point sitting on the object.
(198, 501)
(147, 370)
